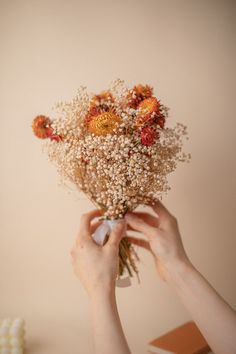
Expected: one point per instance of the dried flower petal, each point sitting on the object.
(149, 136)
(161, 121)
(55, 137)
(42, 127)
(103, 123)
(104, 96)
(137, 94)
(148, 106)
(101, 103)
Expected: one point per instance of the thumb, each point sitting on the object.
(118, 231)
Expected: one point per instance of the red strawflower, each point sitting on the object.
(147, 111)
(161, 121)
(148, 136)
(55, 137)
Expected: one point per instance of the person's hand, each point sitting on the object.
(163, 238)
(96, 266)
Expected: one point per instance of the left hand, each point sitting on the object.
(96, 266)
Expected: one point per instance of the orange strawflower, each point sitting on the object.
(102, 98)
(100, 103)
(138, 94)
(42, 127)
(147, 110)
(102, 124)
(149, 105)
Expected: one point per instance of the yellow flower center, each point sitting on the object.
(103, 123)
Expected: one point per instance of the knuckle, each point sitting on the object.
(112, 246)
(80, 246)
(156, 233)
(138, 221)
(118, 228)
(172, 220)
(112, 243)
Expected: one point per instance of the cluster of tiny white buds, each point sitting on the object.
(116, 171)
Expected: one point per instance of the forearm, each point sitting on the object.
(107, 330)
(213, 316)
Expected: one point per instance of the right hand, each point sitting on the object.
(96, 266)
(163, 239)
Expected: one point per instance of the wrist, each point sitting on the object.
(102, 292)
(178, 271)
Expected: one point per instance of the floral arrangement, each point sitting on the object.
(116, 148)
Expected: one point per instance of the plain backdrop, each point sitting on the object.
(186, 51)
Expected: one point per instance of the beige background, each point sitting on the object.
(186, 50)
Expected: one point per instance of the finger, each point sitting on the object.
(140, 225)
(94, 226)
(161, 211)
(87, 218)
(73, 251)
(84, 230)
(139, 242)
(148, 218)
(118, 231)
(129, 228)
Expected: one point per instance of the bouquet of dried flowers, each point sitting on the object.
(115, 147)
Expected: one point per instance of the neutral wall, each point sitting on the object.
(186, 50)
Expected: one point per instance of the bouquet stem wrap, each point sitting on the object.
(102, 232)
(100, 237)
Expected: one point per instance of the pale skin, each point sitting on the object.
(97, 267)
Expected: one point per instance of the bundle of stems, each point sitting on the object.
(127, 258)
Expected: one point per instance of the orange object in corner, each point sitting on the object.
(185, 339)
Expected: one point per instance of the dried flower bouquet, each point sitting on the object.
(115, 147)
